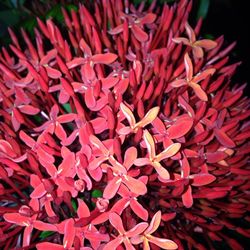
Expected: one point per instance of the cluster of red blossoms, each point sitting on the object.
(132, 105)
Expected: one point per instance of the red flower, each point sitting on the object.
(197, 45)
(147, 238)
(54, 124)
(29, 222)
(133, 125)
(68, 239)
(90, 60)
(130, 199)
(136, 24)
(153, 159)
(193, 81)
(122, 176)
(124, 236)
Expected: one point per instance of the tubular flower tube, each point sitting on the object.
(122, 130)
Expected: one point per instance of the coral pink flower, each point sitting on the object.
(147, 236)
(192, 81)
(153, 159)
(197, 45)
(124, 236)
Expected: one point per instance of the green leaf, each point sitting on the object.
(10, 17)
(67, 107)
(45, 234)
(56, 13)
(209, 36)
(203, 9)
(17, 3)
(96, 193)
(37, 118)
(70, 7)
(74, 204)
(93, 204)
(29, 25)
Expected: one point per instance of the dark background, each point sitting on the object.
(231, 18)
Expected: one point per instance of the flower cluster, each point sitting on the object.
(122, 131)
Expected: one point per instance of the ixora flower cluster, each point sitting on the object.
(122, 132)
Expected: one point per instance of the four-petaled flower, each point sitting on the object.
(29, 221)
(42, 191)
(122, 176)
(191, 80)
(53, 125)
(130, 199)
(147, 236)
(17, 118)
(196, 180)
(43, 151)
(68, 239)
(175, 129)
(153, 159)
(133, 125)
(136, 25)
(124, 236)
(197, 45)
(89, 60)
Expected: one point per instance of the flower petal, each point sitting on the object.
(29, 110)
(98, 144)
(116, 30)
(27, 236)
(112, 188)
(162, 172)
(206, 44)
(187, 198)
(134, 185)
(198, 52)
(116, 222)
(83, 210)
(148, 18)
(42, 226)
(178, 83)
(149, 117)
(128, 114)
(89, 98)
(139, 34)
(203, 75)
(16, 218)
(49, 246)
(69, 233)
(163, 243)
(150, 144)
(38, 192)
(180, 128)
(154, 224)
(138, 229)
(188, 67)
(181, 40)
(190, 33)
(199, 91)
(168, 152)
(53, 73)
(223, 138)
(142, 162)
(202, 179)
(139, 210)
(106, 58)
(113, 244)
(129, 157)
